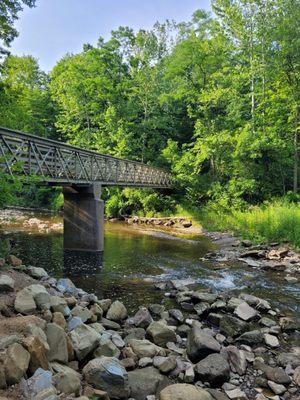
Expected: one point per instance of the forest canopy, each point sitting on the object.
(216, 100)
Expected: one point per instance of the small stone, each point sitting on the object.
(6, 283)
(237, 359)
(236, 394)
(14, 261)
(59, 304)
(37, 272)
(144, 348)
(271, 340)
(296, 376)
(141, 319)
(184, 391)
(276, 388)
(145, 361)
(104, 304)
(245, 312)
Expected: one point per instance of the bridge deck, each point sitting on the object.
(59, 163)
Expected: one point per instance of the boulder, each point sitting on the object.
(59, 304)
(237, 359)
(160, 333)
(200, 344)
(36, 331)
(38, 353)
(202, 308)
(213, 369)
(57, 341)
(107, 348)
(24, 302)
(37, 272)
(117, 311)
(236, 394)
(141, 319)
(146, 382)
(245, 312)
(65, 285)
(68, 381)
(144, 348)
(271, 340)
(59, 319)
(7, 284)
(82, 312)
(176, 314)
(232, 326)
(276, 388)
(256, 302)
(14, 261)
(292, 357)
(182, 391)
(84, 339)
(108, 374)
(40, 295)
(166, 364)
(73, 322)
(296, 376)
(39, 383)
(251, 337)
(16, 363)
(104, 304)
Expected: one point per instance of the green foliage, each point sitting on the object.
(277, 221)
(137, 202)
(9, 10)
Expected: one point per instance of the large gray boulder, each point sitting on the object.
(24, 302)
(57, 340)
(141, 319)
(161, 333)
(144, 348)
(237, 359)
(213, 369)
(184, 391)
(245, 312)
(67, 380)
(84, 340)
(108, 374)
(6, 283)
(146, 382)
(37, 272)
(117, 311)
(16, 363)
(232, 326)
(200, 344)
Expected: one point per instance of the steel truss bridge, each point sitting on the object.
(62, 164)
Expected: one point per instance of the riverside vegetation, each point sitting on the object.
(59, 342)
(214, 99)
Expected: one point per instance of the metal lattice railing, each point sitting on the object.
(55, 162)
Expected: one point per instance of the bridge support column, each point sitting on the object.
(83, 218)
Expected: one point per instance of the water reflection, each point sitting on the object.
(134, 259)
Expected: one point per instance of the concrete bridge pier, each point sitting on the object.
(83, 218)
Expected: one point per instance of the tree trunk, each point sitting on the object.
(296, 152)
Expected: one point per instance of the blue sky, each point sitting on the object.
(56, 27)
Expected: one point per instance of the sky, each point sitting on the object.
(56, 27)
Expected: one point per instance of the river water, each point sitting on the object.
(135, 258)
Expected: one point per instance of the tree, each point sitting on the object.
(9, 10)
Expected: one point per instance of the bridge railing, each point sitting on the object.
(60, 163)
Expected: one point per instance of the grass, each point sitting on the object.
(274, 222)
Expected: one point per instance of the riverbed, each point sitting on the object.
(134, 258)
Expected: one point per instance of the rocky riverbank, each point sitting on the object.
(59, 342)
(271, 257)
